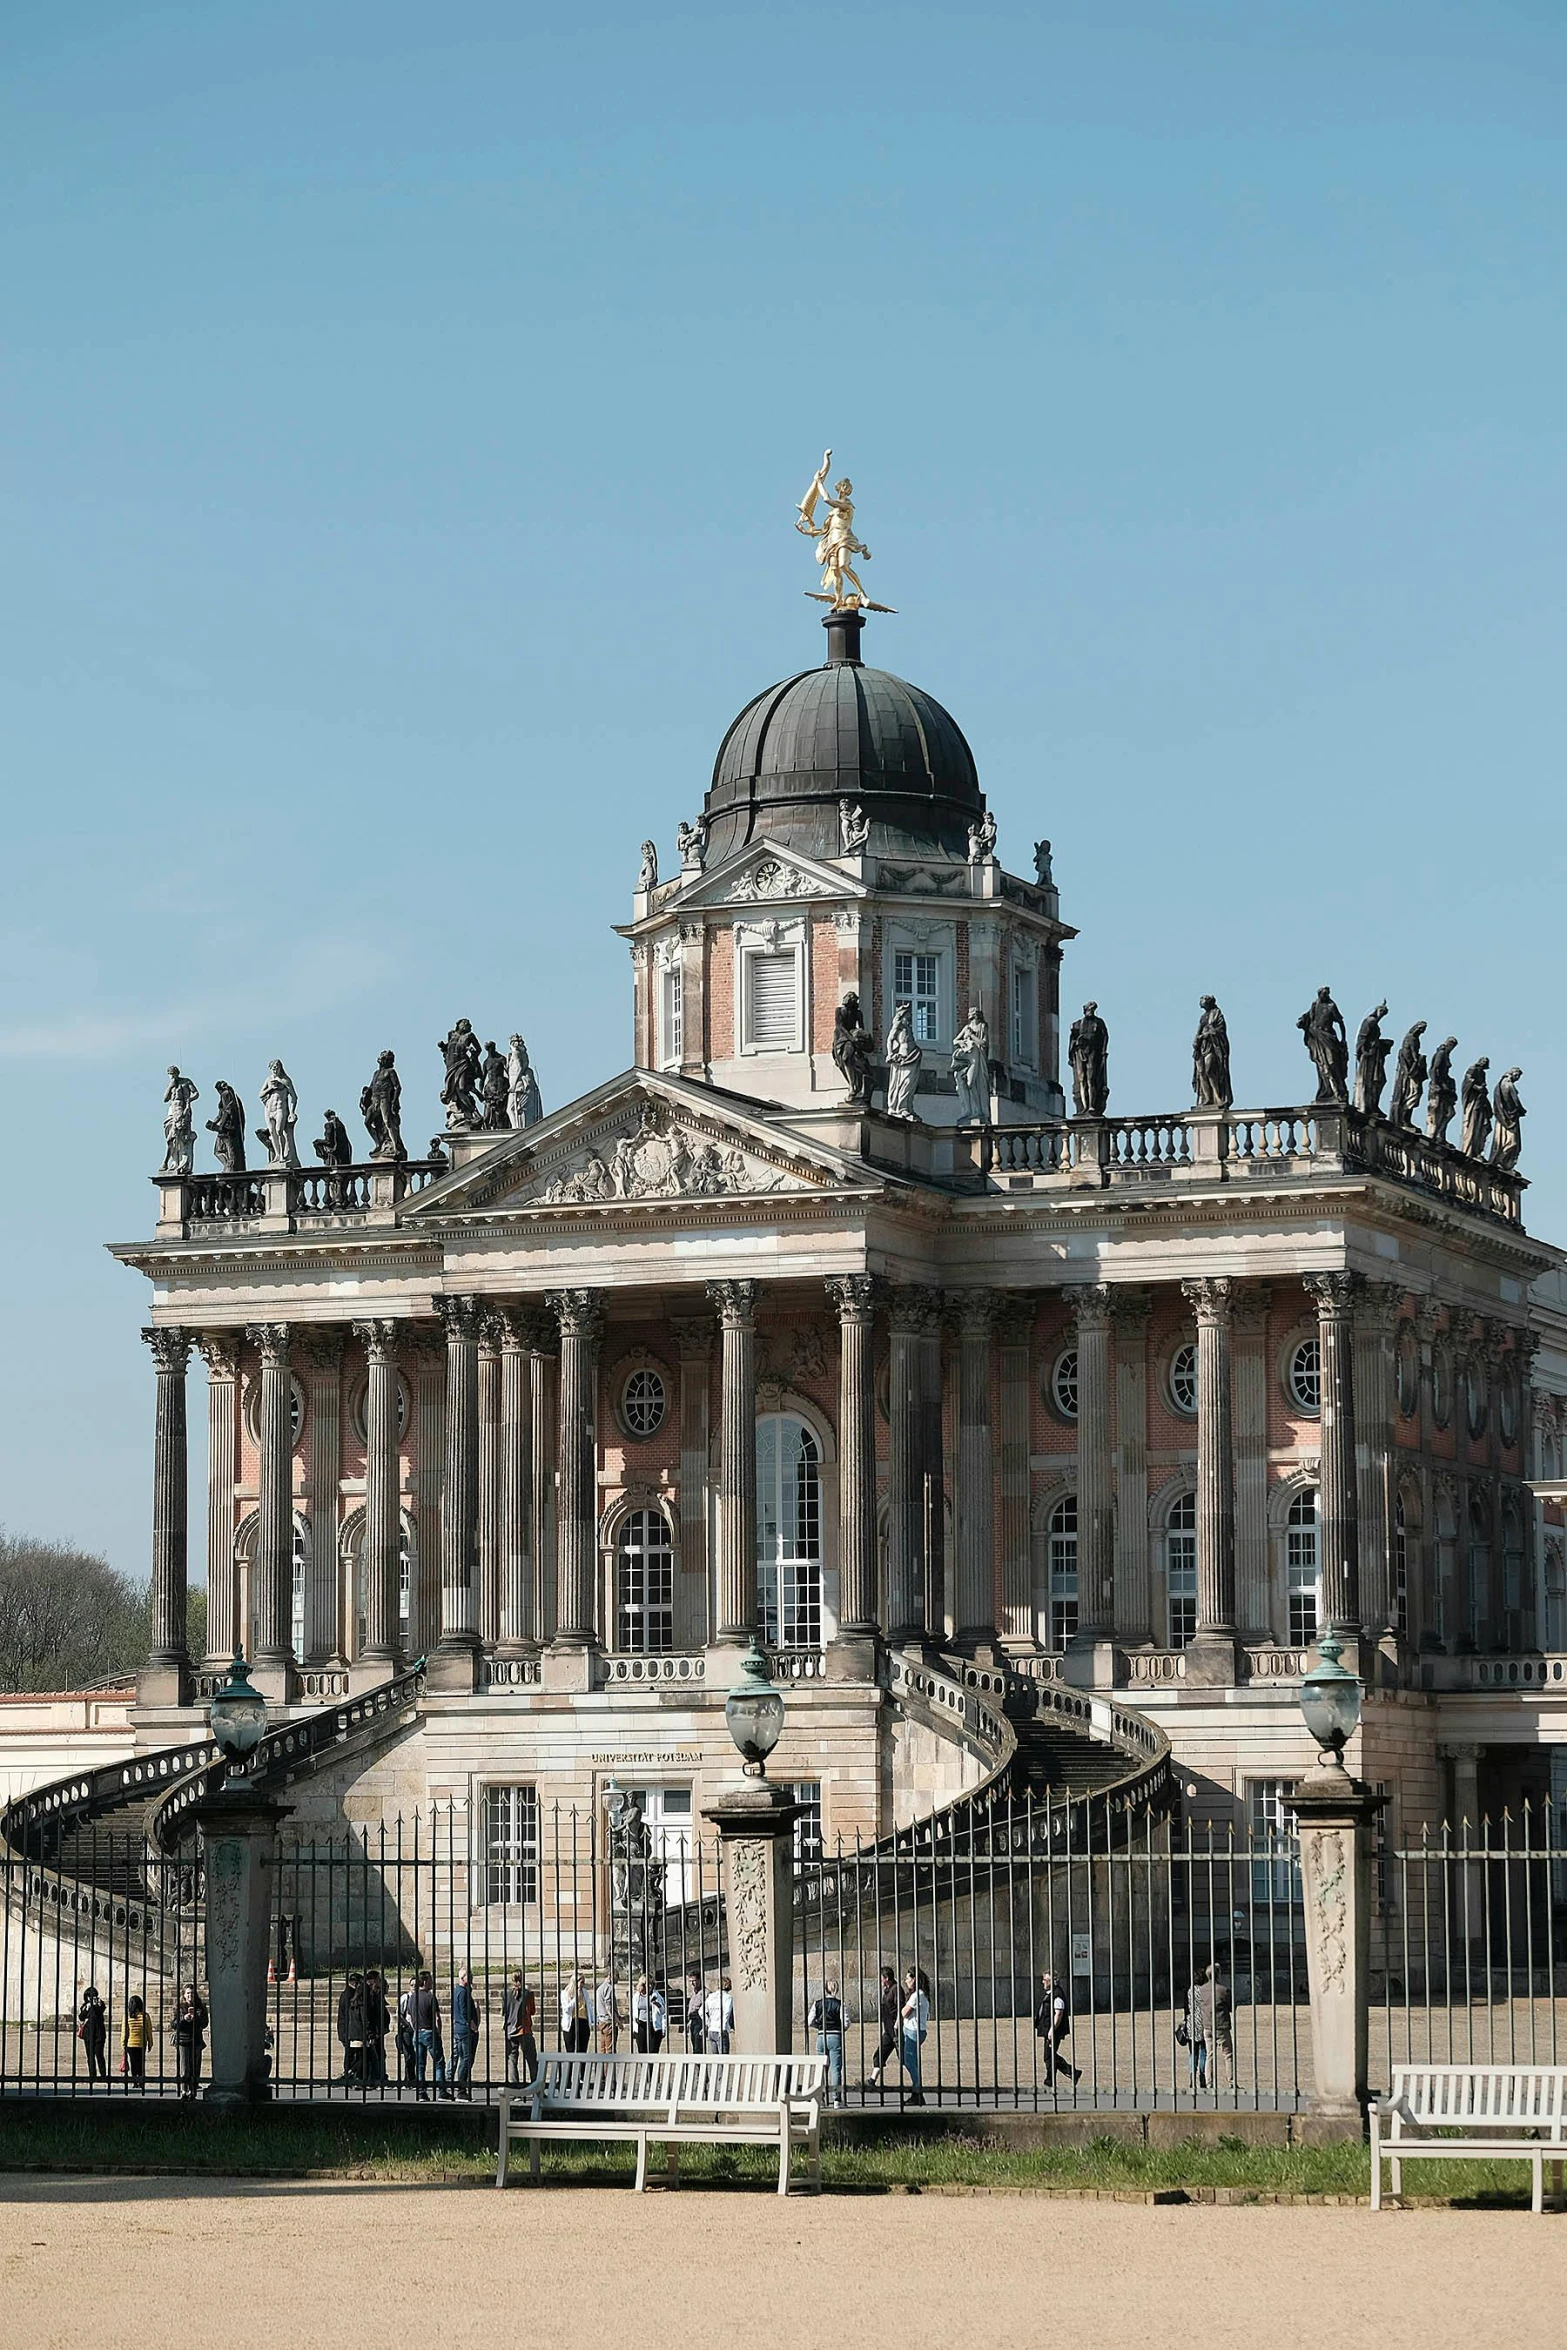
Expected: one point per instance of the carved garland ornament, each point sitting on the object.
(769, 878)
(1332, 1904)
(658, 1160)
(749, 1862)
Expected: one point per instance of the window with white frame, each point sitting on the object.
(1303, 1568)
(1180, 1571)
(771, 998)
(1275, 1868)
(1025, 1010)
(788, 1532)
(1305, 1376)
(671, 1016)
(916, 981)
(405, 1584)
(511, 1845)
(1062, 1568)
(644, 1584)
(1183, 1379)
(807, 1793)
(1063, 1384)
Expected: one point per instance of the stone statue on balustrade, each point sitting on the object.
(1475, 1132)
(492, 1091)
(1211, 1087)
(1441, 1092)
(982, 839)
(381, 1108)
(854, 828)
(852, 1047)
(332, 1146)
(179, 1127)
(280, 1108)
(227, 1130)
(523, 1106)
(691, 841)
(1510, 1115)
(1371, 1052)
(971, 1068)
(636, 1881)
(647, 871)
(1044, 871)
(1088, 1051)
(903, 1063)
(460, 1052)
(1322, 1026)
(1409, 1077)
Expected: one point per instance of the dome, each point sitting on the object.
(843, 732)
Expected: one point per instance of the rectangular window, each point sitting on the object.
(916, 982)
(774, 1001)
(1400, 1570)
(511, 1844)
(1181, 1570)
(1025, 986)
(1275, 1868)
(807, 1793)
(673, 1041)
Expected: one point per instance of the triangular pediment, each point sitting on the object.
(639, 1139)
(766, 873)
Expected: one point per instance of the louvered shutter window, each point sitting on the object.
(774, 1005)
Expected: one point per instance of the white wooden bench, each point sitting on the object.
(1498, 2112)
(673, 2100)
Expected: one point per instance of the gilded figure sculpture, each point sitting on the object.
(836, 543)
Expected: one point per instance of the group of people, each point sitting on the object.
(595, 2017)
(137, 2033)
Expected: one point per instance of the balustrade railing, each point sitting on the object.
(313, 1195)
(224, 1199)
(512, 1672)
(1277, 1664)
(690, 1667)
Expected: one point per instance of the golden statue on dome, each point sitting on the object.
(836, 544)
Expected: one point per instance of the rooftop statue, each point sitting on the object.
(1322, 1025)
(280, 1108)
(1088, 1051)
(1371, 1052)
(179, 1127)
(227, 1130)
(1442, 1093)
(691, 841)
(460, 1052)
(1409, 1076)
(852, 1047)
(333, 1147)
(982, 838)
(836, 544)
(1476, 1130)
(1510, 1114)
(1044, 870)
(1211, 1088)
(971, 1068)
(854, 828)
(492, 1090)
(903, 1063)
(523, 1106)
(381, 1107)
(647, 871)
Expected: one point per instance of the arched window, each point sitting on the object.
(245, 1563)
(1180, 1571)
(1063, 1571)
(644, 1584)
(1303, 1568)
(296, 1624)
(1305, 1376)
(405, 1584)
(788, 1532)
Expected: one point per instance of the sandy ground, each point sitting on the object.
(93, 2265)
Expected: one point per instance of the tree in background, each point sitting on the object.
(68, 1619)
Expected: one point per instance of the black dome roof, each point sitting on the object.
(843, 732)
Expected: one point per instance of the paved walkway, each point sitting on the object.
(93, 2265)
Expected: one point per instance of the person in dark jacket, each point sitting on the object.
(891, 2019)
(428, 2047)
(696, 2027)
(465, 2036)
(522, 2048)
(92, 2020)
(190, 2038)
(1052, 2022)
(378, 2022)
(351, 2030)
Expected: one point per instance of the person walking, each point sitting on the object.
(914, 2022)
(695, 2019)
(718, 2018)
(377, 2023)
(1192, 2031)
(890, 2018)
(1212, 2026)
(522, 2049)
(351, 2030)
(657, 2016)
(465, 2037)
(1052, 2022)
(190, 2038)
(428, 2048)
(92, 2029)
(606, 2012)
(575, 2020)
(826, 2021)
(407, 2064)
(641, 2004)
(137, 2031)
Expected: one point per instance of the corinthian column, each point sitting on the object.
(383, 1530)
(736, 1303)
(854, 1295)
(455, 1664)
(1212, 1656)
(976, 1544)
(489, 1391)
(274, 1555)
(166, 1679)
(1090, 1303)
(220, 1353)
(518, 1625)
(580, 1315)
(912, 1312)
(1339, 1526)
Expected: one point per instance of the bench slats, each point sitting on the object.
(1477, 2103)
(748, 2099)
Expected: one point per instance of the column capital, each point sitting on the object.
(973, 1311)
(322, 1347)
(460, 1316)
(579, 1313)
(532, 1328)
(915, 1307)
(219, 1350)
(1428, 1314)
(1088, 1302)
(170, 1348)
(1378, 1307)
(1130, 1307)
(1526, 1346)
(492, 1330)
(1251, 1302)
(272, 1341)
(378, 1338)
(736, 1302)
(1213, 1301)
(1017, 1312)
(1335, 1294)
(693, 1337)
(854, 1294)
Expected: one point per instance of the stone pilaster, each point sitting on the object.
(854, 1296)
(975, 1611)
(166, 1680)
(322, 1353)
(426, 1352)
(1090, 1648)
(911, 1312)
(518, 1624)
(1212, 1657)
(383, 1529)
(1133, 1618)
(736, 1303)
(1375, 1329)
(274, 1552)
(580, 1316)
(933, 1477)
(543, 1337)
(455, 1664)
(694, 1341)
(1249, 1399)
(489, 1392)
(1015, 1396)
(225, 1633)
(1339, 1525)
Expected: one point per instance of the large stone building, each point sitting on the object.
(1140, 1405)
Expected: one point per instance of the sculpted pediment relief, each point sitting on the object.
(660, 1155)
(764, 874)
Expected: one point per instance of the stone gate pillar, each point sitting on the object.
(756, 1823)
(239, 1860)
(1334, 1816)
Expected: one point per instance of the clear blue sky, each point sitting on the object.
(401, 414)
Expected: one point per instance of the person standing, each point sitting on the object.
(407, 2065)
(428, 2049)
(135, 2041)
(1052, 2022)
(351, 2030)
(914, 2020)
(826, 2021)
(465, 2036)
(92, 2029)
(522, 2049)
(377, 2023)
(606, 2013)
(1194, 2030)
(575, 2021)
(641, 2003)
(889, 2018)
(190, 2038)
(1213, 2030)
(695, 2020)
(718, 2018)
(657, 2016)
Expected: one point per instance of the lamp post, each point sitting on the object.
(1330, 1701)
(756, 1824)
(1333, 1817)
(239, 1854)
(237, 1718)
